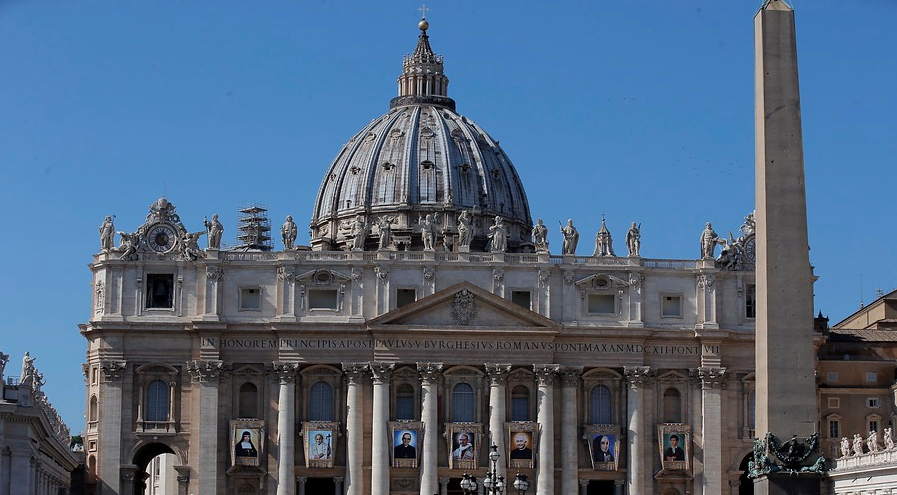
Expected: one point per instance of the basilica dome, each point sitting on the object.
(421, 158)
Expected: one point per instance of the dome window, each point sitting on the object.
(354, 170)
(370, 137)
(465, 167)
(426, 164)
(388, 166)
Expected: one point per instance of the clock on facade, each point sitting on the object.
(161, 238)
(750, 249)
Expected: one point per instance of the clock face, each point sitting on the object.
(161, 238)
(750, 249)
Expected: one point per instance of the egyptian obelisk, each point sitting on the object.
(786, 365)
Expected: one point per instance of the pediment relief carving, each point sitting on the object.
(602, 281)
(462, 372)
(673, 378)
(405, 374)
(322, 277)
(521, 375)
(157, 368)
(321, 371)
(601, 375)
(464, 305)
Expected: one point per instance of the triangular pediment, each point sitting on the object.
(460, 306)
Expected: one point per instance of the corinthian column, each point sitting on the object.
(429, 378)
(712, 380)
(498, 374)
(638, 377)
(569, 459)
(205, 375)
(545, 374)
(285, 373)
(355, 373)
(380, 373)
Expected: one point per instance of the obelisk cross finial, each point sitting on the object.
(423, 10)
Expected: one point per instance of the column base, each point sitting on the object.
(788, 484)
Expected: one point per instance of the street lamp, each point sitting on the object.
(494, 484)
(521, 484)
(469, 483)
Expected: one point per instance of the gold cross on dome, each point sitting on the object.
(423, 10)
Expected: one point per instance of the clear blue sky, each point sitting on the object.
(640, 110)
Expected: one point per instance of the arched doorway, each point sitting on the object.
(142, 460)
(745, 484)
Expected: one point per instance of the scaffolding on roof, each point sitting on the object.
(255, 229)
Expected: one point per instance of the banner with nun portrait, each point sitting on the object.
(247, 441)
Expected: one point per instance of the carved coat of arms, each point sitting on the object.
(464, 308)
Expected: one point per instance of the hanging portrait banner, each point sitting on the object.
(673, 443)
(320, 443)
(464, 444)
(604, 446)
(522, 437)
(247, 442)
(405, 438)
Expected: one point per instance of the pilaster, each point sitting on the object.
(109, 433)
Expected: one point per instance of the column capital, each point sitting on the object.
(214, 273)
(619, 482)
(284, 372)
(339, 479)
(355, 372)
(546, 373)
(584, 483)
(381, 372)
(639, 376)
(206, 371)
(705, 280)
(498, 373)
(112, 369)
(183, 474)
(570, 375)
(444, 481)
(302, 479)
(429, 372)
(710, 377)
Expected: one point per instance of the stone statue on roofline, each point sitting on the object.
(4, 359)
(634, 240)
(845, 447)
(889, 439)
(191, 249)
(288, 233)
(215, 230)
(498, 235)
(465, 229)
(872, 441)
(857, 444)
(571, 237)
(540, 237)
(428, 232)
(107, 235)
(359, 232)
(708, 242)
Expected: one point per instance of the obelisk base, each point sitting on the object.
(788, 484)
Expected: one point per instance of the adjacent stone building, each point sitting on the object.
(36, 455)
(427, 320)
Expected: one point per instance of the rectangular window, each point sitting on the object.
(750, 302)
(834, 403)
(322, 299)
(405, 297)
(521, 298)
(873, 425)
(872, 402)
(834, 428)
(833, 376)
(159, 290)
(519, 408)
(405, 407)
(671, 306)
(602, 304)
(250, 299)
(871, 377)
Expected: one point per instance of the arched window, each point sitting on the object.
(672, 406)
(93, 415)
(463, 403)
(404, 402)
(249, 401)
(321, 405)
(520, 403)
(600, 405)
(157, 401)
